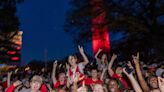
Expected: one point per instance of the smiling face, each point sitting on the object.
(72, 60)
(153, 82)
(113, 86)
(62, 77)
(35, 85)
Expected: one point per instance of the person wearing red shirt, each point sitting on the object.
(94, 78)
(61, 77)
(75, 67)
(117, 73)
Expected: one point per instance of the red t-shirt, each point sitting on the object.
(90, 81)
(123, 81)
(57, 84)
(76, 71)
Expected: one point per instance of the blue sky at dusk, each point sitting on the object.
(42, 23)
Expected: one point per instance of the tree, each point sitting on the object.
(139, 21)
(9, 26)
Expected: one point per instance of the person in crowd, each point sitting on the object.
(117, 73)
(153, 83)
(102, 62)
(113, 85)
(35, 85)
(94, 77)
(75, 66)
(61, 80)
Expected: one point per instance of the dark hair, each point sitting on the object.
(94, 68)
(151, 76)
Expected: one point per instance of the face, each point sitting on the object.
(153, 82)
(103, 58)
(72, 60)
(119, 70)
(98, 88)
(35, 85)
(62, 77)
(113, 86)
(94, 74)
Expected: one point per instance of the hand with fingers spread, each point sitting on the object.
(9, 73)
(141, 79)
(136, 59)
(81, 50)
(161, 83)
(85, 58)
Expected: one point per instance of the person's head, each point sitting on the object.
(72, 60)
(99, 88)
(113, 85)
(104, 57)
(62, 76)
(94, 73)
(153, 82)
(36, 82)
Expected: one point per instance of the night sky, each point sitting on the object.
(42, 25)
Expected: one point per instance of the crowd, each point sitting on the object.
(103, 75)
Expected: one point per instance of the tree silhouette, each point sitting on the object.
(139, 20)
(9, 26)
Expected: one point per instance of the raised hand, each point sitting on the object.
(114, 56)
(161, 83)
(17, 83)
(9, 73)
(99, 50)
(81, 50)
(55, 64)
(136, 59)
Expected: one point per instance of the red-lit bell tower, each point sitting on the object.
(100, 34)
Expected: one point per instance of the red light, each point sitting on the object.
(15, 58)
(11, 52)
(18, 48)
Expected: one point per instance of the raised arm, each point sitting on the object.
(134, 83)
(103, 73)
(110, 70)
(81, 50)
(141, 79)
(96, 55)
(53, 76)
